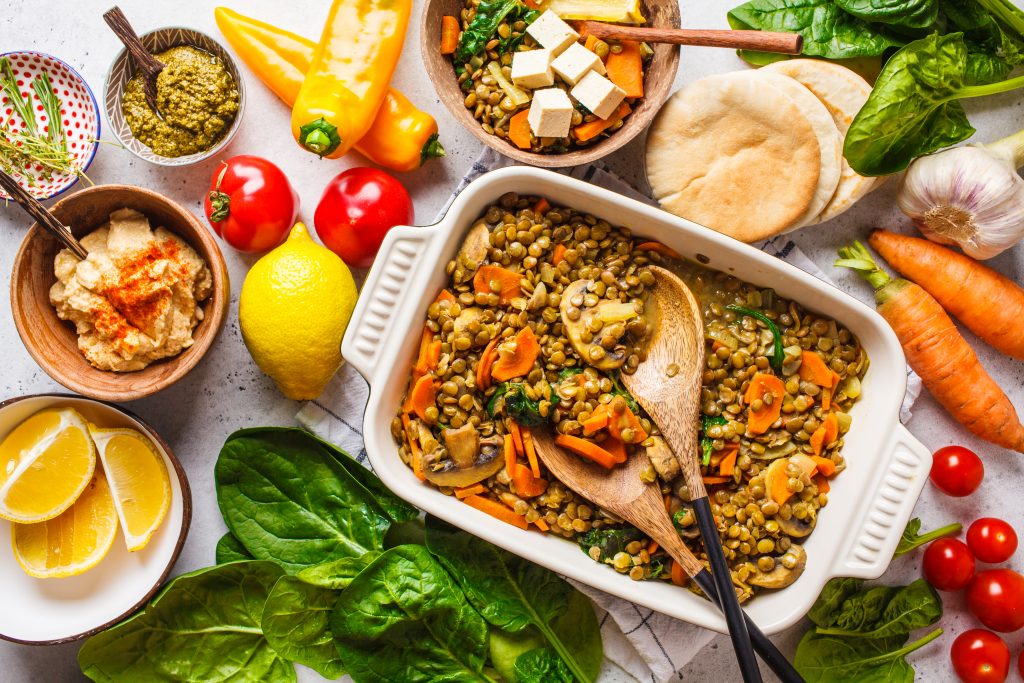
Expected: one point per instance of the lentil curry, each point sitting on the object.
(541, 315)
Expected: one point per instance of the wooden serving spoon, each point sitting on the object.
(41, 215)
(622, 492)
(761, 41)
(148, 65)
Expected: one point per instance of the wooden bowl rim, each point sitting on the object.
(577, 157)
(215, 309)
(186, 516)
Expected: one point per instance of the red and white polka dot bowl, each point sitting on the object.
(79, 109)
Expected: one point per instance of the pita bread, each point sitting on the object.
(830, 142)
(843, 92)
(735, 154)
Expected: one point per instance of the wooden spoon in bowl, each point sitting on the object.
(761, 41)
(41, 215)
(149, 65)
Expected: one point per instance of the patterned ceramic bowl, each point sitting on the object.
(80, 113)
(122, 70)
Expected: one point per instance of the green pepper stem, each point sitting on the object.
(432, 149)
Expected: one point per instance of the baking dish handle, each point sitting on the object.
(884, 518)
(384, 292)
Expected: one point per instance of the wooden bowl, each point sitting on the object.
(658, 79)
(53, 343)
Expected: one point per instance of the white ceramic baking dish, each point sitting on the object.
(869, 504)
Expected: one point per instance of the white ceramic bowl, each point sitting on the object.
(51, 611)
(869, 504)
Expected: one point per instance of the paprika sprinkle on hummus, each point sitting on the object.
(136, 298)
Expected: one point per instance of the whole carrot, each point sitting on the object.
(936, 351)
(990, 304)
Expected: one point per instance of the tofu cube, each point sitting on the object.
(550, 113)
(552, 33)
(575, 62)
(532, 69)
(598, 94)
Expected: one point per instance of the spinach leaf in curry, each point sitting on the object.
(484, 26)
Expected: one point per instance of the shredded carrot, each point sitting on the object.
(591, 129)
(814, 370)
(587, 449)
(519, 130)
(727, 465)
(598, 419)
(652, 547)
(421, 396)
(626, 68)
(541, 524)
(822, 484)
(758, 421)
(825, 466)
(510, 455)
(527, 485)
(678, 575)
(483, 366)
(509, 286)
(461, 493)
(414, 446)
(496, 510)
(516, 358)
(531, 452)
(558, 255)
(617, 448)
(716, 480)
(542, 206)
(445, 295)
(661, 249)
(517, 436)
(449, 34)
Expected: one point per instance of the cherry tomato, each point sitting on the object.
(996, 597)
(251, 204)
(980, 656)
(956, 471)
(992, 540)
(357, 209)
(948, 564)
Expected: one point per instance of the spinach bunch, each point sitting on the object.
(484, 27)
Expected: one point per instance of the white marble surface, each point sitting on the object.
(227, 392)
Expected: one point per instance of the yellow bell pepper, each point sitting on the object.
(348, 78)
(401, 137)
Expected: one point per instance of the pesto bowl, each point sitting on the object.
(122, 70)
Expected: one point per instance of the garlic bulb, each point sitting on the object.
(969, 196)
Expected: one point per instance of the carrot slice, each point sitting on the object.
(617, 448)
(777, 480)
(591, 42)
(826, 399)
(542, 206)
(760, 420)
(825, 466)
(426, 339)
(652, 548)
(591, 129)
(620, 417)
(814, 370)
(508, 282)
(716, 480)
(727, 465)
(831, 425)
(598, 419)
(421, 397)
(822, 484)
(587, 449)
(542, 525)
(626, 68)
(517, 436)
(483, 366)
(818, 440)
(527, 485)
(465, 491)
(678, 575)
(414, 446)
(661, 249)
(531, 452)
(510, 455)
(558, 255)
(445, 295)
(515, 359)
(496, 510)
(519, 130)
(449, 34)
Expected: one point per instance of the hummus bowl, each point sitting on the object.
(53, 342)
(869, 505)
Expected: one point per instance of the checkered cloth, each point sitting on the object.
(644, 644)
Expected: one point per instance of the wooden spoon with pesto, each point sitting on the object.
(148, 65)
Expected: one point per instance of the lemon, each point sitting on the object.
(45, 463)
(72, 542)
(295, 304)
(138, 481)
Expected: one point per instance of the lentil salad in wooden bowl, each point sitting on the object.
(481, 93)
(542, 310)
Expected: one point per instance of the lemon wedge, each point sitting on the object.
(138, 481)
(74, 541)
(45, 464)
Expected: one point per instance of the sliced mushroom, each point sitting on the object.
(462, 444)
(472, 253)
(591, 352)
(781, 576)
(488, 462)
(772, 452)
(469, 323)
(663, 459)
(797, 528)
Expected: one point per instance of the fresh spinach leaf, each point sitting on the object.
(910, 13)
(836, 591)
(863, 609)
(830, 659)
(778, 355)
(404, 619)
(913, 538)
(512, 42)
(295, 623)
(608, 541)
(906, 609)
(511, 398)
(505, 648)
(541, 666)
(203, 626)
(337, 574)
(287, 500)
(230, 549)
(513, 594)
(489, 15)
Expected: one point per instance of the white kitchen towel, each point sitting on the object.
(645, 644)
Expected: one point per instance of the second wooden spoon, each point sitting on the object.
(761, 41)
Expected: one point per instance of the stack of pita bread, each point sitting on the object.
(753, 154)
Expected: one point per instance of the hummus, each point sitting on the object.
(136, 298)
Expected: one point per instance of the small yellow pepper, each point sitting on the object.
(348, 78)
(401, 137)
